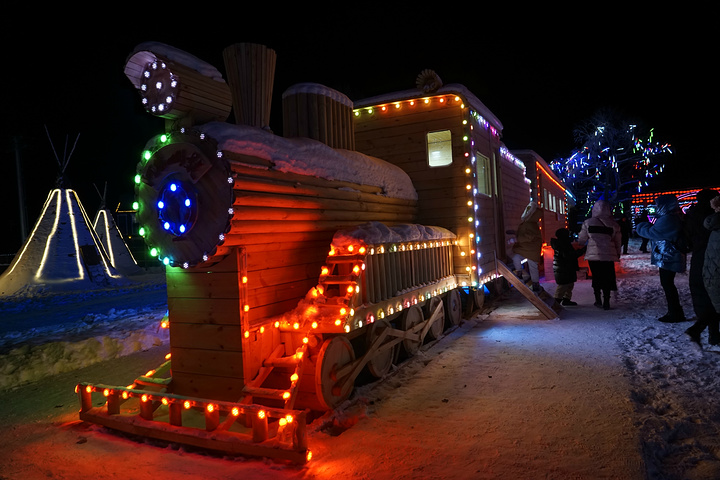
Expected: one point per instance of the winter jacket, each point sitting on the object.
(664, 234)
(711, 267)
(696, 232)
(565, 260)
(602, 235)
(528, 242)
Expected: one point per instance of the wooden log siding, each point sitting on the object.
(250, 69)
(399, 137)
(286, 223)
(309, 113)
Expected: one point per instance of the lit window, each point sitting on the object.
(439, 148)
(483, 174)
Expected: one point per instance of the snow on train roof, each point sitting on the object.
(452, 88)
(309, 157)
(376, 233)
(181, 57)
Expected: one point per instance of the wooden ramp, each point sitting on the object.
(527, 292)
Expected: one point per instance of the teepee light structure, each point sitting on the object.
(63, 251)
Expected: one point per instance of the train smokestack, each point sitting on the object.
(250, 72)
(314, 111)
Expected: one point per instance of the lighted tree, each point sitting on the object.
(615, 159)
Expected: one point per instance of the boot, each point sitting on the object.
(568, 302)
(606, 302)
(598, 302)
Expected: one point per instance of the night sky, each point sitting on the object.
(541, 78)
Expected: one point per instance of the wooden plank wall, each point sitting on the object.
(399, 137)
(516, 196)
(286, 223)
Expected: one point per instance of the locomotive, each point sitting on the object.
(295, 264)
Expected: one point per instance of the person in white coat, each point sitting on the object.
(601, 233)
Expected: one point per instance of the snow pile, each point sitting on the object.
(182, 57)
(44, 335)
(376, 233)
(305, 156)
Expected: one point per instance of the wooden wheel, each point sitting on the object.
(381, 361)
(411, 317)
(453, 308)
(438, 325)
(334, 354)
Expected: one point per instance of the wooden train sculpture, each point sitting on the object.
(296, 263)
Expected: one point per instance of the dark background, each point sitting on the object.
(541, 74)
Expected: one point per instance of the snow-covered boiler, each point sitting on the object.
(296, 263)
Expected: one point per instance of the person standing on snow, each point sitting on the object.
(602, 235)
(625, 229)
(642, 218)
(565, 266)
(528, 244)
(698, 235)
(711, 267)
(664, 234)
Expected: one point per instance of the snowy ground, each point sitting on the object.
(593, 394)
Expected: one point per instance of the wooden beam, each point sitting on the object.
(549, 313)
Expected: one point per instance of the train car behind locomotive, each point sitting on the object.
(296, 263)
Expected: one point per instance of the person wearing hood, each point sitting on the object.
(711, 265)
(698, 235)
(601, 234)
(664, 236)
(528, 244)
(565, 266)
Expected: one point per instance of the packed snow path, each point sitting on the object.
(594, 394)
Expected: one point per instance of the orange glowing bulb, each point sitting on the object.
(187, 404)
(106, 392)
(305, 340)
(308, 456)
(298, 355)
(362, 250)
(289, 418)
(125, 395)
(282, 422)
(247, 334)
(343, 311)
(324, 271)
(338, 322)
(350, 289)
(286, 395)
(88, 389)
(246, 308)
(356, 269)
(294, 377)
(314, 324)
(261, 414)
(165, 401)
(167, 357)
(277, 324)
(144, 398)
(244, 279)
(262, 329)
(210, 408)
(351, 248)
(235, 411)
(296, 325)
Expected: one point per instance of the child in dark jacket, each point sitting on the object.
(565, 266)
